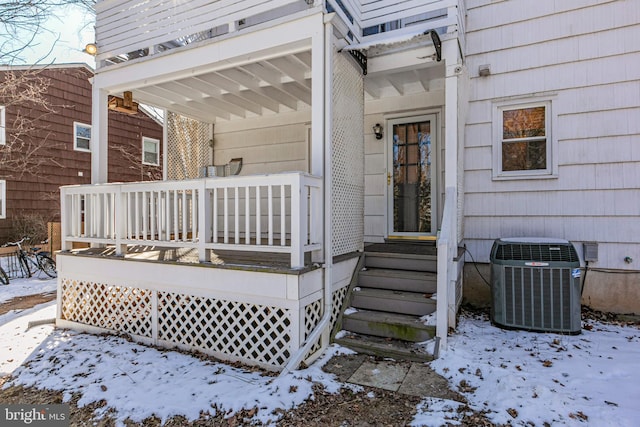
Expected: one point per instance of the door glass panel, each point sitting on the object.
(412, 177)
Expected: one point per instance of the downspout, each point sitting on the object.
(324, 322)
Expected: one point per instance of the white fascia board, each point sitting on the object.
(286, 38)
(398, 61)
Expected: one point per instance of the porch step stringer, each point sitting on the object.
(394, 291)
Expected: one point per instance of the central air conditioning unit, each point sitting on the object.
(535, 285)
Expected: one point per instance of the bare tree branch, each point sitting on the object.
(28, 148)
(22, 21)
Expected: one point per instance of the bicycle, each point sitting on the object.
(4, 278)
(33, 260)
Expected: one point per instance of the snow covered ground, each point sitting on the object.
(23, 287)
(523, 377)
(516, 377)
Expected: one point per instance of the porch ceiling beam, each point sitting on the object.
(305, 58)
(298, 91)
(211, 93)
(424, 82)
(159, 101)
(296, 71)
(274, 78)
(234, 88)
(260, 99)
(215, 110)
(200, 97)
(178, 99)
(395, 84)
(280, 96)
(372, 88)
(250, 82)
(240, 77)
(261, 71)
(242, 103)
(181, 90)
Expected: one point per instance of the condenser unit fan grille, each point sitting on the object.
(536, 252)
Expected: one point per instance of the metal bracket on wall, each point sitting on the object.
(437, 44)
(361, 59)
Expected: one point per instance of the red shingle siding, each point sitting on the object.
(70, 95)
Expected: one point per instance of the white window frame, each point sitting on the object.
(551, 171)
(3, 199)
(157, 143)
(75, 137)
(3, 126)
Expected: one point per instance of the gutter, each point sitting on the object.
(325, 321)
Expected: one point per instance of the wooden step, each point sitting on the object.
(394, 349)
(388, 325)
(414, 303)
(401, 261)
(398, 280)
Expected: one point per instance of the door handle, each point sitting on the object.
(388, 178)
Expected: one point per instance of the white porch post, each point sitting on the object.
(318, 122)
(99, 134)
(446, 316)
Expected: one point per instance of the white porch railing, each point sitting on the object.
(124, 27)
(447, 243)
(265, 213)
(128, 30)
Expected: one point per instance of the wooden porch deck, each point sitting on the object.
(235, 260)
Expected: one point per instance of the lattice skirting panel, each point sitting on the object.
(313, 314)
(246, 331)
(251, 333)
(119, 308)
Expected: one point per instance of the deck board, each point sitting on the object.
(239, 260)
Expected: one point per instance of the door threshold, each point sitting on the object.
(408, 239)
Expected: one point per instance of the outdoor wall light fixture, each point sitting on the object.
(377, 130)
(91, 49)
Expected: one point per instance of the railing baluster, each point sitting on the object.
(136, 198)
(145, 215)
(196, 201)
(215, 215)
(167, 216)
(283, 216)
(185, 216)
(258, 216)
(236, 213)
(76, 215)
(176, 229)
(152, 215)
(226, 215)
(270, 215)
(247, 215)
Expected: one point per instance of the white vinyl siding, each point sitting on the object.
(81, 137)
(150, 151)
(265, 145)
(589, 74)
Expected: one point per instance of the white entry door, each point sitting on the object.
(411, 177)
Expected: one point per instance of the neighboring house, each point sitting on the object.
(58, 150)
(431, 125)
